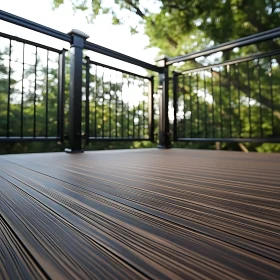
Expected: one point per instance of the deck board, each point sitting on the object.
(140, 214)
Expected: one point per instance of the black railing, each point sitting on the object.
(118, 104)
(30, 106)
(235, 100)
(104, 103)
(53, 94)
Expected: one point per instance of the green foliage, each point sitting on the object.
(111, 112)
(17, 101)
(176, 27)
(57, 3)
(233, 101)
(180, 26)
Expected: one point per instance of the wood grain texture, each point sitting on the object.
(141, 214)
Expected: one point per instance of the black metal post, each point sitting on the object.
(61, 101)
(75, 108)
(164, 134)
(175, 104)
(151, 110)
(87, 132)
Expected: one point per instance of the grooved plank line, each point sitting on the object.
(141, 214)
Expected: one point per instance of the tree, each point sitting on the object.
(28, 88)
(176, 27)
(29, 100)
(182, 26)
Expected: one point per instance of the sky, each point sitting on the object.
(101, 32)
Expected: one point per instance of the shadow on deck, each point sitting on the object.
(143, 214)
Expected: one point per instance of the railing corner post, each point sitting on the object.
(164, 133)
(75, 104)
(61, 95)
(175, 104)
(151, 110)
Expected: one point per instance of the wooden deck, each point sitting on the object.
(143, 214)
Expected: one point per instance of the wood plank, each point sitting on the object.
(140, 214)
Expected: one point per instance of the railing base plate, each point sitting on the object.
(70, 151)
(163, 147)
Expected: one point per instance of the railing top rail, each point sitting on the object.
(68, 38)
(118, 69)
(231, 62)
(114, 54)
(21, 40)
(34, 26)
(245, 41)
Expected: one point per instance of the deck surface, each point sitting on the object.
(143, 214)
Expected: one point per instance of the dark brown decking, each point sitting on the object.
(160, 214)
